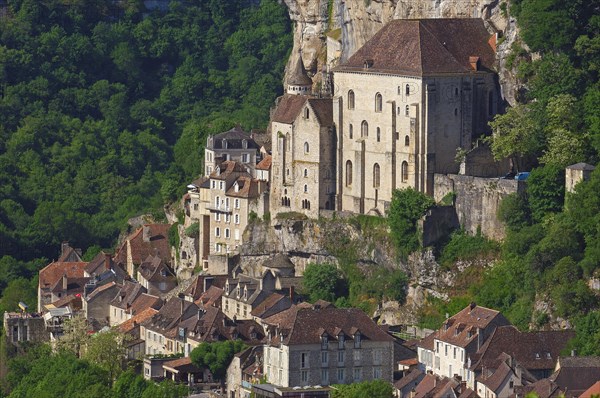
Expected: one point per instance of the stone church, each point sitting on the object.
(402, 105)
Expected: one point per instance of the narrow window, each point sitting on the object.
(376, 176)
(407, 90)
(350, 131)
(350, 99)
(378, 102)
(404, 171)
(305, 188)
(406, 110)
(306, 113)
(305, 173)
(306, 147)
(348, 173)
(406, 141)
(364, 129)
(378, 134)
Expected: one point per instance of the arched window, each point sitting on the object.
(306, 148)
(350, 99)
(407, 90)
(376, 179)
(364, 129)
(378, 134)
(348, 173)
(406, 141)
(406, 110)
(305, 188)
(306, 113)
(404, 171)
(305, 173)
(378, 102)
(350, 131)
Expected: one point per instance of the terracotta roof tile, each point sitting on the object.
(136, 320)
(143, 302)
(53, 272)
(594, 390)
(150, 239)
(265, 164)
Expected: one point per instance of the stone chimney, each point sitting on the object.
(146, 233)
(107, 261)
(64, 246)
(64, 282)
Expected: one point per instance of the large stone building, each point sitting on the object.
(235, 144)
(404, 103)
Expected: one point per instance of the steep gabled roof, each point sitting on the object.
(265, 164)
(150, 239)
(298, 75)
(425, 47)
(50, 275)
(288, 108)
(323, 108)
(234, 139)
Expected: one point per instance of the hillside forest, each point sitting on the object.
(105, 108)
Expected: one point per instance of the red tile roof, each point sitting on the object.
(143, 302)
(150, 239)
(594, 390)
(134, 322)
(265, 164)
(53, 272)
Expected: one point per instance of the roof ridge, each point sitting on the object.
(442, 44)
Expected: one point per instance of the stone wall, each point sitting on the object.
(477, 200)
(439, 222)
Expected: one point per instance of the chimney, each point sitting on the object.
(107, 261)
(64, 282)
(472, 306)
(64, 247)
(474, 61)
(573, 353)
(292, 294)
(146, 233)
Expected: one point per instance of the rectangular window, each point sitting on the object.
(236, 218)
(245, 158)
(227, 203)
(357, 355)
(217, 231)
(221, 185)
(325, 376)
(304, 360)
(446, 349)
(454, 352)
(340, 375)
(227, 233)
(304, 375)
(341, 358)
(377, 373)
(324, 358)
(357, 374)
(218, 216)
(324, 343)
(237, 203)
(280, 358)
(341, 341)
(357, 341)
(376, 357)
(213, 184)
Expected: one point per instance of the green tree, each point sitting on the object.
(406, 209)
(545, 191)
(108, 350)
(216, 357)
(323, 282)
(371, 389)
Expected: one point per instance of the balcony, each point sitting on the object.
(219, 209)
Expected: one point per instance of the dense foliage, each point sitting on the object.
(41, 373)
(406, 209)
(216, 356)
(323, 282)
(371, 389)
(105, 108)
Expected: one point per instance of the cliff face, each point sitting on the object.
(359, 20)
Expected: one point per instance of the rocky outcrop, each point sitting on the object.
(359, 20)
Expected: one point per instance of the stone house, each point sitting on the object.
(61, 278)
(303, 158)
(130, 301)
(244, 370)
(404, 103)
(263, 169)
(156, 276)
(309, 346)
(24, 326)
(450, 350)
(576, 173)
(157, 330)
(234, 145)
(150, 239)
(96, 305)
(136, 346)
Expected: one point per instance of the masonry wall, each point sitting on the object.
(477, 200)
(19, 328)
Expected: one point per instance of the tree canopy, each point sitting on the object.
(216, 356)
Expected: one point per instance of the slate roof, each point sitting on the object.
(323, 108)
(298, 76)
(152, 269)
(170, 315)
(211, 324)
(234, 137)
(100, 289)
(143, 302)
(127, 295)
(421, 47)
(495, 380)
(288, 108)
(533, 350)
(266, 307)
(309, 324)
(577, 374)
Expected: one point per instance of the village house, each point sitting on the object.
(404, 102)
(244, 370)
(96, 305)
(150, 239)
(136, 345)
(156, 276)
(309, 346)
(130, 301)
(235, 145)
(62, 278)
(24, 326)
